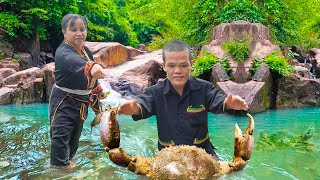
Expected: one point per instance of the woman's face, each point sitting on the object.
(76, 33)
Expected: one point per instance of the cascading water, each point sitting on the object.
(113, 97)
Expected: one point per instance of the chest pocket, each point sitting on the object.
(197, 115)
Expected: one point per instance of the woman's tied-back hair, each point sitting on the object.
(176, 46)
(69, 19)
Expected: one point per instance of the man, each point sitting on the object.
(181, 102)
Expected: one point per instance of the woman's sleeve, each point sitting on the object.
(74, 69)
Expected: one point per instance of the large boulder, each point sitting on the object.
(15, 78)
(144, 75)
(9, 63)
(25, 86)
(239, 29)
(255, 93)
(25, 60)
(108, 54)
(315, 61)
(297, 91)
(131, 78)
(5, 72)
(48, 78)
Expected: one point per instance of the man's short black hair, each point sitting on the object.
(176, 46)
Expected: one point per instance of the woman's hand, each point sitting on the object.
(97, 72)
(235, 102)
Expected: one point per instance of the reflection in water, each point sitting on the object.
(285, 147)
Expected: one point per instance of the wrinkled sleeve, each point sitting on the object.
(73, 71)
(97, 90)
(215, 99)
(146, 101)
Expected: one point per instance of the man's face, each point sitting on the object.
(177, 66)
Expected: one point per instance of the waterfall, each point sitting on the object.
(113, 97)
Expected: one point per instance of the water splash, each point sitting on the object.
(113, 97)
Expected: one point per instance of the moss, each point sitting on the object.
(265, 96)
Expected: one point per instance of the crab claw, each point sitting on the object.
(119, 157)
(243, 144)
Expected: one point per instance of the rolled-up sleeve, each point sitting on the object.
(146, 102)
(214, 99)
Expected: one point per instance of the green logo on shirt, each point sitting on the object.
(191, 109)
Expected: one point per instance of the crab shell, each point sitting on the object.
(188, 162)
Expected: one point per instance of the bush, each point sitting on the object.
(203, 64)
(238, 50)
(224, 63)
(278, 64)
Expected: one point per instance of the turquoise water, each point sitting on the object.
(286, 145)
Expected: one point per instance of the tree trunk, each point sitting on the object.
(31, 46)
(35, 50)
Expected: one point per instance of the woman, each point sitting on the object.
(75, 90)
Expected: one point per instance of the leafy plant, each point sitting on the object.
(278, 64)
(256, 64)
(203, 64)
(238, 50)
(224, 63)
(16, 58)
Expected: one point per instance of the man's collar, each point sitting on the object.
(193, 84)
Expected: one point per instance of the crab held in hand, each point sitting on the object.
(175, 162)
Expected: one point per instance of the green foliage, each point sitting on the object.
(224, 63)
(278, 64)
(203, 64)
(238, 50)
(16, 58)
(9, 23)
(155, 22)
(256, 64)
(240, 10)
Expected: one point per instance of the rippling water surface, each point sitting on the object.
(287, 145)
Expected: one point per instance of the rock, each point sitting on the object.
(145, 75)
(5, 95)
(262, 74)
(297, 49)
(218, 74)
(49, 58)
(5, 72)
(296, 91)
(142, 47)
(48, 78)
(303, 71)
(108, 54)
(255, 93)
(132, 52)
(240, 29)
(8, 63)
(6, 49)
(261, 50)
(30, 74)
(25, 60)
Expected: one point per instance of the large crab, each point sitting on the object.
(175, 162)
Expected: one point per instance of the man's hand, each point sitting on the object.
(130, 107)
(98, 72)
(235, 102)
